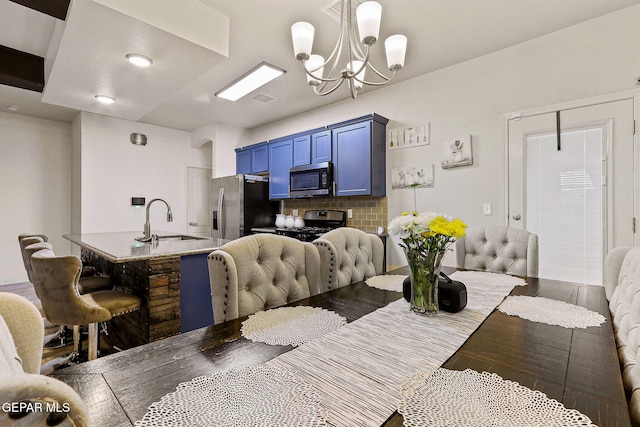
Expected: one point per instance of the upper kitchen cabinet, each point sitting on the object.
(252, 159)
(280, 160)
(321, 147)
(359, 156)
(314, 147)
(302, 150)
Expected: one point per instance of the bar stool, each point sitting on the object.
(89, 281)
(56, 280)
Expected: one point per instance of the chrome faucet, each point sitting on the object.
(147, 226)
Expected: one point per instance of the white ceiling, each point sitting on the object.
(85, 54)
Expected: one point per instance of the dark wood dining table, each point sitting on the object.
(578, 367)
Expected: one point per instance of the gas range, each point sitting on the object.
(317, 222)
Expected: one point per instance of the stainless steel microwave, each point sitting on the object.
(311, 180)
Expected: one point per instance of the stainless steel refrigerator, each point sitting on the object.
(240, 203)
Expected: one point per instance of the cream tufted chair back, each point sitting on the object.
(259, 272)
(348, 255)
(499, 249)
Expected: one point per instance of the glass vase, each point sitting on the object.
(425, 269)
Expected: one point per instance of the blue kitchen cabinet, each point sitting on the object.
(252, 159)
(359, 157)
(302, 150)
(195, 293)
(280, 161)
(321, 147)
(243, 161)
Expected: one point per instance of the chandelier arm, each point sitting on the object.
(353, 89)
(321, 79)
(387, 80)
(318, 89)
(382, 76)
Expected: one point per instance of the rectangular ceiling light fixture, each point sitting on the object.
(258, 76)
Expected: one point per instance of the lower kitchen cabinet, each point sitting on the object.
(195, 293)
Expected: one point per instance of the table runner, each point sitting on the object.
(550, 311)
(358, 368)
(469, 398)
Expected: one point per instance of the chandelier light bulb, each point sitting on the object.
(396, 48)
(369, 15)
(315, 68)
(302, 36)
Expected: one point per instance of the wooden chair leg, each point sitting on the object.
(93, 341)
(77, 336)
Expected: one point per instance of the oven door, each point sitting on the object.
(311, 180)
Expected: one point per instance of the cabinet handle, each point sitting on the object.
(193, 224)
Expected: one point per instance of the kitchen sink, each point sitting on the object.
(179, 237)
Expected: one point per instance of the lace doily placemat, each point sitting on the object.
(290, 325)
(469, 398)
(388, 282)
(487, 278)
(552, 312)
(254, 396)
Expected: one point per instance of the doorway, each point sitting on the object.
(198, 201)
(576, 192)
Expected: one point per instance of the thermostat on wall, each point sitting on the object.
(137, 201)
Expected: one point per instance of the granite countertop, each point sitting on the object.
(123, 246)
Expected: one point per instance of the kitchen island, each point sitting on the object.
(170, 274)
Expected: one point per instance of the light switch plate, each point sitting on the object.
(486, 208)
(349, 213)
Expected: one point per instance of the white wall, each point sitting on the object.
(592, 58)
(114, 170)
(224, 139)
(35, 168)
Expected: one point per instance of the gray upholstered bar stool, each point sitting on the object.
(56, 280)
(499, 249)
(89, 281)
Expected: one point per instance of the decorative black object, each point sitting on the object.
(452, 295)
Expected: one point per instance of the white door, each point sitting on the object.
(578, 196)
(198, 201)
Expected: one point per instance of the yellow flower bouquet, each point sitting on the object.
(425, 239)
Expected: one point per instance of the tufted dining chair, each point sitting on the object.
(56, 280)
(259, 272)
(348, 255)
(20, 359)
(499, 249)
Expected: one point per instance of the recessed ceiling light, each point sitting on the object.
(105, 99)
(259, 76)
(139, 60)
(12, 107)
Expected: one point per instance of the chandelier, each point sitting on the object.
(357, 36)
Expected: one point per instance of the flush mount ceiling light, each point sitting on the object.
(105, 99)
(139, 60)
(258, 76)
(350, 57)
